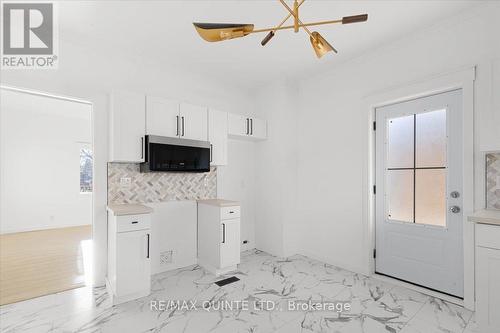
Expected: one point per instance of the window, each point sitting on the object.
(86, 164)
(416, 168)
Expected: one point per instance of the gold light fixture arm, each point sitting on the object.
(296, 14)
(272, 32)
(286, 27)
(289, 15)
(298, 22)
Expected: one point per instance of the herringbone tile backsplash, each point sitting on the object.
(493, 181)
(158, 186)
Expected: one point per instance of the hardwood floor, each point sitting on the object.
(37, 263)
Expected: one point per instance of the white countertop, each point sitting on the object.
(219, 202)
(129, 209)
(485, 216)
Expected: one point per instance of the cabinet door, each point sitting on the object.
(193, 122)
(488, 289)
(133, 267)
(217, 135)
(127, 126)
(162, 117)
(238, 125)
(258, 128)
(230, 243)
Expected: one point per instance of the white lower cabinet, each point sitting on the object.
(218, 236)
(129, 263)
(230, 244)
(488, 278)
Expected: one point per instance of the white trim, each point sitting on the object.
(40, 93)
(460, 79)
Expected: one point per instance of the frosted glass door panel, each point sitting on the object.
(400, 195)
(431, 139)
(400, 142)
(430, 197)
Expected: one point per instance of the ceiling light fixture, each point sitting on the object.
(216, 32)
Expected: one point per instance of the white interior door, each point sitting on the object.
(419, 186)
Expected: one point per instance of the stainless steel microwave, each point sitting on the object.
(174, 154)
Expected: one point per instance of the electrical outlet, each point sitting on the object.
(125, 181)
(166, 257)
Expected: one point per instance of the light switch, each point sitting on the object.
(125, 181)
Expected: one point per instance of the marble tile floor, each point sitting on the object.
(267, 284)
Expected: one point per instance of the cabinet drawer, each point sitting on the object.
(488, 236)
(133, 222)
(227, 213)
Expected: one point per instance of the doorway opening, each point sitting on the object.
(46, 194)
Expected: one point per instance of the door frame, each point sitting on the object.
(460, 79)
(90, 280)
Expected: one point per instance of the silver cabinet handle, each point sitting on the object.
(177, 125)
(147, 256)
(223, 233)
(247, 126)
(182, 125)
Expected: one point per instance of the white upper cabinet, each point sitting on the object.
(237, 125)
(247, 127)
(217, 135)
(127, 126)
(170, 118)
(162, 117)
(258, 128)
(193, 122)
(134, 115)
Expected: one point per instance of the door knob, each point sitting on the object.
(455, 194)
(455, 209)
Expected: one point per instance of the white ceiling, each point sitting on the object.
(161, 32)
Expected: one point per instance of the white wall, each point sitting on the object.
(276, 169)
(236, 181)
(91, 74)
(332, 135)
(40, 141)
